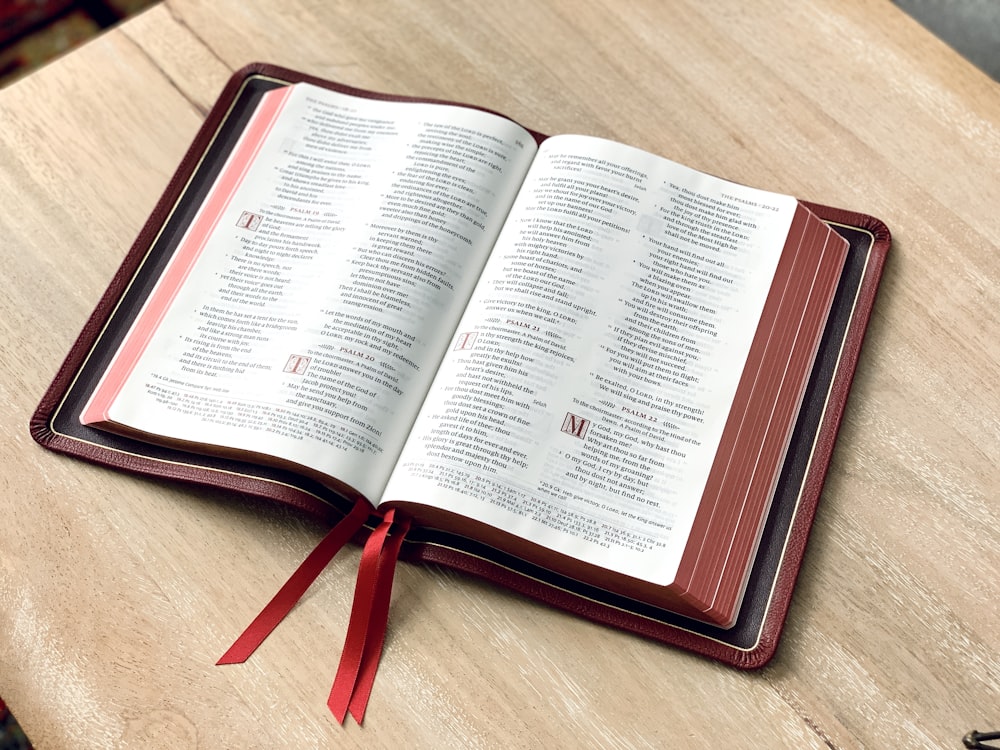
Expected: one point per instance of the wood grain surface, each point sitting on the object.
(118, 594)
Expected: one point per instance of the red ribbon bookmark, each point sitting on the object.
(369, 616)
(289, 594)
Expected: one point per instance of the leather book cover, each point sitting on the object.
(749, 644)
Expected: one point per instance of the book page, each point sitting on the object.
(305, 311)
(587, 386)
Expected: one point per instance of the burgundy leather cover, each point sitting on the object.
(749, 644)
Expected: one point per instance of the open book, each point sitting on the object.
(584, 368)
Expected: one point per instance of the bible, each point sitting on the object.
(580, 370)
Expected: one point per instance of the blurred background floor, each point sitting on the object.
(33, 32)
(971, 27)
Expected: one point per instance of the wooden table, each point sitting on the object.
(117, 594)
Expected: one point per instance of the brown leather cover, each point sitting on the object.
(749, 644)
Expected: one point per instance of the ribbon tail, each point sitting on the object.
(366, 630)
(289, 594)
(377, 624)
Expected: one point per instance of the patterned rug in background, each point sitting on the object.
(11, 735)
(32, 32)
